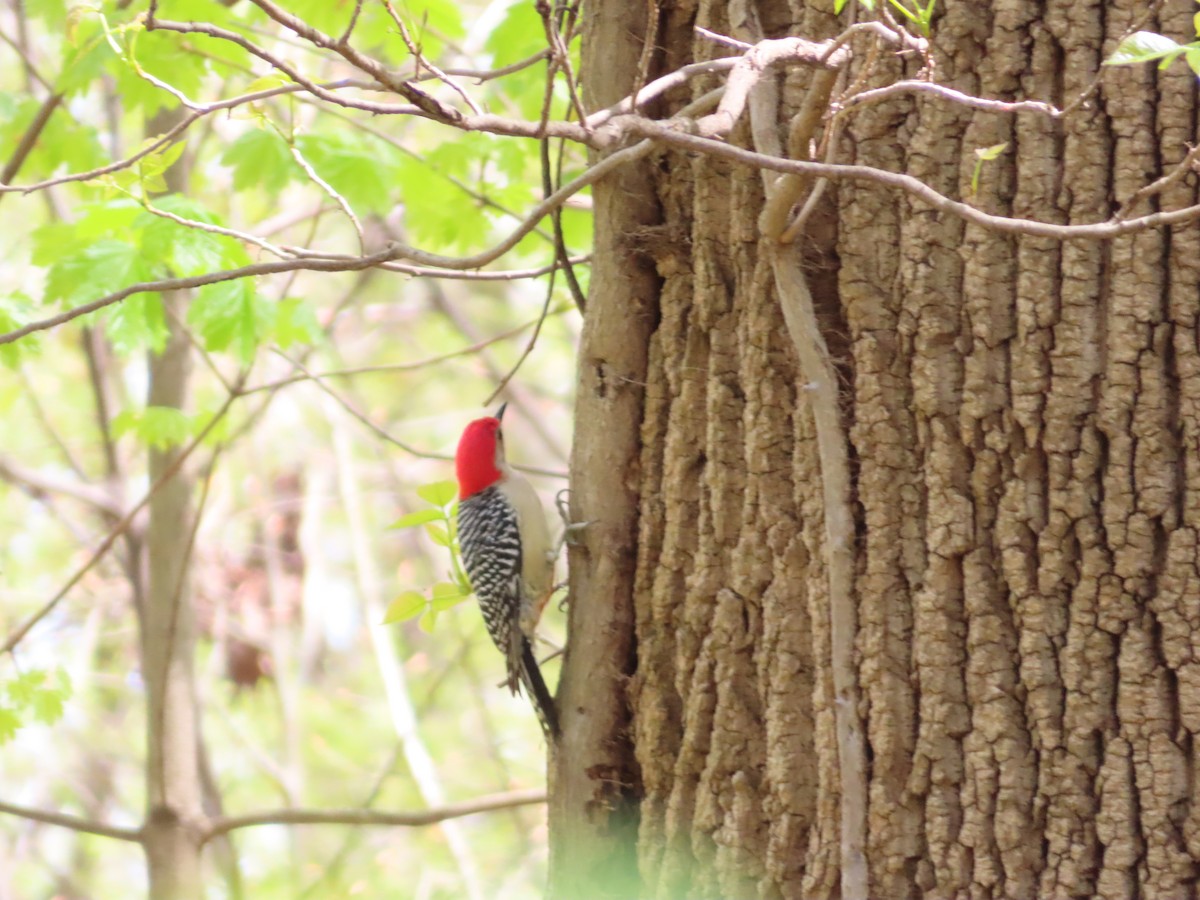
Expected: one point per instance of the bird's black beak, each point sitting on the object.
(500, 411)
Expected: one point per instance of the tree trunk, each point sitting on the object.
(174, 785)
(174, 791)
(1022, 428)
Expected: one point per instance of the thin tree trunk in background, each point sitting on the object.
(1025, 456)
(174, 787)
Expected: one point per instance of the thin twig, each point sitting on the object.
(423, 61)
(117, 530)
(75, 823)
(950, 94)
(226, 824)
(29, 139)
(41, 484)
(394, 367)
(350, 263)
(169, 136)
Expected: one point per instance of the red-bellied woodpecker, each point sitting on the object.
(507, 553)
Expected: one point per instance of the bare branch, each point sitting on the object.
(330, 263)
(671, 133)
(482, 75)
(331, 192)
(1189, 163)
(660, 86)
(348, 264)
(243, 236)
(396, 367)
(754, 64)
(490, 803)
(40, 484)
(406, 89)
(29, 139)
(117, 530)
(422, 61)
(946, 93)
(75, 823)
(167, 137)
(30, 69)
(503, 275)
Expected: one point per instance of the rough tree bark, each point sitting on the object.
(1023, 424)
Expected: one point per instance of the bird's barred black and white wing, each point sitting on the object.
(489, 537)
(490, 540)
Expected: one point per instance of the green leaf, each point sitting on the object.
(220, 431)
(53, 11)
(10, 724)
(48, 703)
(428, 621)
(1193, 59)
(1142, 46)
(362, 170)
(982, 155)
(408, 605)
(63, 142)
(268, 82)
(167, 58)
(137, 322)
(160, 427)
(447, 596)
(102, 268)
(260, 158)
(106, 267)
(295, 323)
(87, 53)
(439, 493)
(111, 219)
(16, 311)
(439, 535)
(187, 249)
(230, 315)
(420, 517)
(990, 153)
(32, 690)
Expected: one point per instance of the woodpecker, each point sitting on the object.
(507, 553)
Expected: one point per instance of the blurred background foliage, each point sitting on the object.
(307, 699)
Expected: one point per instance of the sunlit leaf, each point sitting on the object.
(160, 427)
(230, 315)
(135, 323)
(165, 57)
(439, 535)
(1142, 46)
(446, 596)
(188, 250)
(428, 621)
(260, 158)
(295, 323)
(102, 268)
(10, 724)
(982, 155)
(414, 519)
(407, 606)
(439, 493)
(362, 170)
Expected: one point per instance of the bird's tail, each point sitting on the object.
(535, 686)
